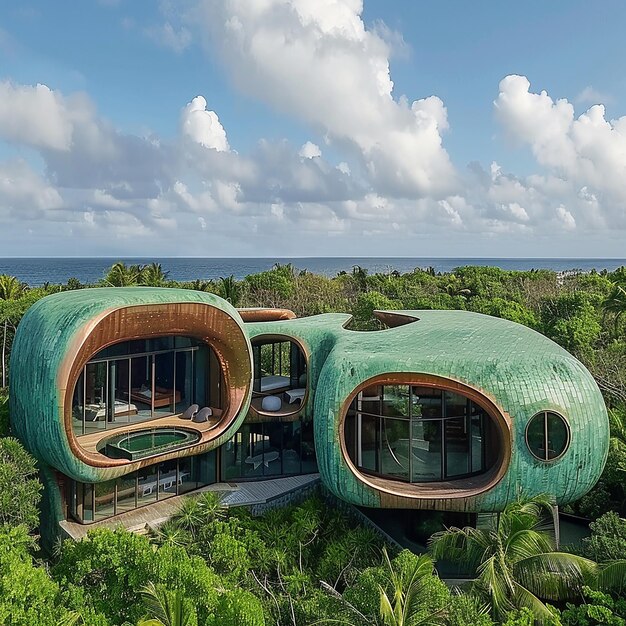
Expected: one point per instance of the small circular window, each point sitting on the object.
(547, 436)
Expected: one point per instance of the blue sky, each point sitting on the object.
(299, 145)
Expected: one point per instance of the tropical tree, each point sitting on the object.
(20, 490)
(615, 303)
(152, 275)
(515, 560)
(167, 608)
(403, 606)
(122, 275)
(230, 290)
(403, 591)
(10, 287)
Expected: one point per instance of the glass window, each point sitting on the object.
(307, 450)
(126, 493)
(279, 366)
(87, 502)
(147, 485)
(168, 479)
(547, 436)
(78, 406)
(369, 428)
(394, 456)
(426, 450)
(420, 434)
(104, 500)
(396, 400)
(457, 447)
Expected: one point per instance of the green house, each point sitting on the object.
(130, 396)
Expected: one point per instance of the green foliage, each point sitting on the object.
(28, 596)
(407, 586)
(238, 607)
(608, 539)
(10, 287)
(514, 560)
(468, 610)
(597, 608)
(4, 412)
(20, 490)
(573, 321)
(167, 608)
(111, 568)
(520, 617)
(271, 286)
(230, 290)
(366, 304)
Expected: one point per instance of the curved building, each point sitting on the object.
(129, 396)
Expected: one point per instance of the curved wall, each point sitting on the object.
(60, 333)
(517, 370)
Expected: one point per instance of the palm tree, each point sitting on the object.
(152, 275)
(211, 506)
(230, 290)
(122, 275)
(404, 606)
(515, 559)
(615, 303)
(10, 287)
(167, 608)
(190, 516)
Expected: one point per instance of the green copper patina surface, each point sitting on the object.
(520, 370)
(50, 332)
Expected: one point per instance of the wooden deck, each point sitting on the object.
(90, 442)
(233, 494)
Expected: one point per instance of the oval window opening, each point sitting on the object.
(547, 436)
(280, 376)
(420, 434)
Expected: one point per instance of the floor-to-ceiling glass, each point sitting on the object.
(95, 502)
(269, 449)
(138, 380)
(416, 433)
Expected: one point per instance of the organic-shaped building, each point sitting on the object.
(129, 396)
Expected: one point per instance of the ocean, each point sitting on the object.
(36, 271)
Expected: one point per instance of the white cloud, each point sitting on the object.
(569, 223)
(590, 95)
(347, 93)
(35, 116)
(166, 35)
(310, 150)
(23, 193)
(203, 126)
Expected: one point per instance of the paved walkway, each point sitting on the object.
(234, 494)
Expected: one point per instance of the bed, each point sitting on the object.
(162, 397)
(97, 412)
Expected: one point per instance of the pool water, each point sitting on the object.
(142, 443)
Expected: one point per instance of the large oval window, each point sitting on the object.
(547, 436)
(420, 434)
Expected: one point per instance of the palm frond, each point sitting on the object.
(525, 598)
(467, 546)
(496, 585)
(555, 575)
(612, 576)
(526, 543)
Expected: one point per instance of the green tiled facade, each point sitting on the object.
(519, 370)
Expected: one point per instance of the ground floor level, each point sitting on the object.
(261, 450)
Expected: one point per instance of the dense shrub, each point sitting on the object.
(20, 490)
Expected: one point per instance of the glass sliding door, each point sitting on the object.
(78, 406)
(96, 385)
(164, 393)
